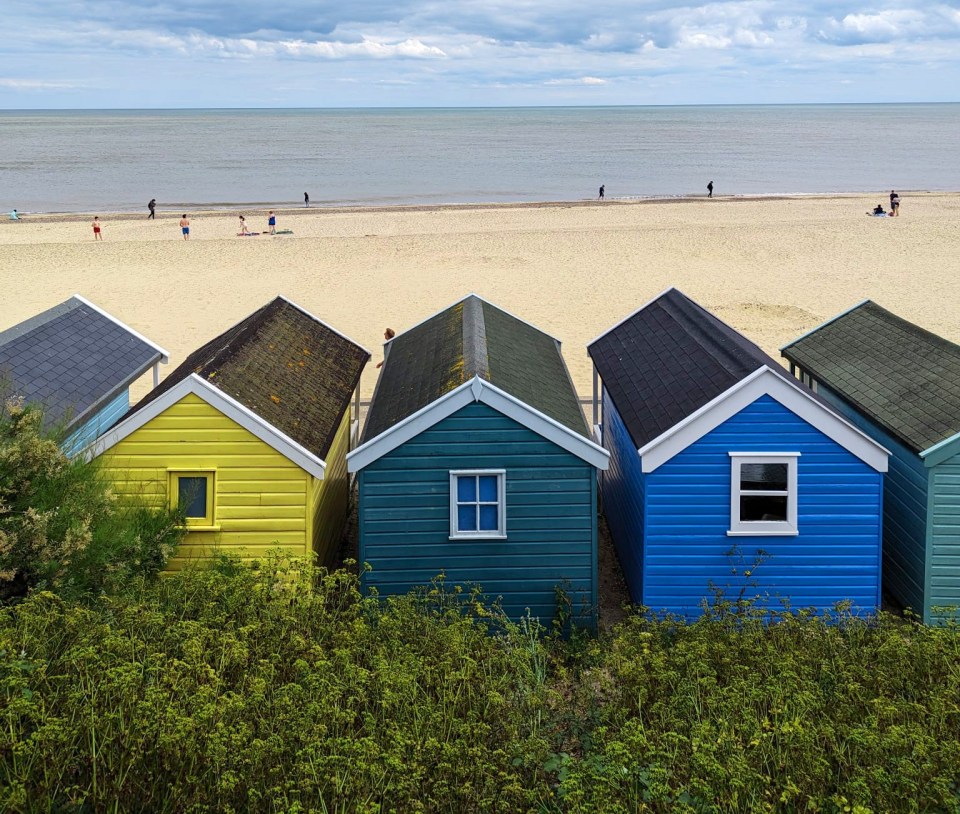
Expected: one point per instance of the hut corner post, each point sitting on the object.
(596, 397)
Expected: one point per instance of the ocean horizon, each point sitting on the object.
(116, 160)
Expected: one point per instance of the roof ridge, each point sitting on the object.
(476, 360)
(815, 328)
(38, 320)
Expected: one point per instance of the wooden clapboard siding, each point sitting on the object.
(622, 491)
(331, 497)
(260, 496)
(835, 556)
(944, 541)
(905, 499)
(404, 515)
(98, 424)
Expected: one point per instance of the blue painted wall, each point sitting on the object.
(905, 496)
(551, 518)
(835, 557)
(97, 424)
(622, 491)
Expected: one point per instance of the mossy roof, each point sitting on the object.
(904, 378)
(473, 339)
(290, 369)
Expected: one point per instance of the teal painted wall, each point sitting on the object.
(904, 512)
(551, 517)
(944, 539)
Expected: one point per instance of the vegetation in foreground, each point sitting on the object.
(281, 689)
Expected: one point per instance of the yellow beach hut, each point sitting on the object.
(248, 438)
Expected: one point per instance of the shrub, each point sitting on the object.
(60, 525)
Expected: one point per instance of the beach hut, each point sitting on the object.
(77, 363)
(476, 461)
(901, 385)
(727, 474)
(248, 438)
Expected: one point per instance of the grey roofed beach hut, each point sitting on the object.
(900, 384)
(476, 461)
(77, 362)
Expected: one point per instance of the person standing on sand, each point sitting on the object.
(152, 206)
(243, 226)
(185, 227)
(388, 334)
(602, 187)
(894, 204)
(710, 189)
(306, 199)
(272, 222)
(96, 228)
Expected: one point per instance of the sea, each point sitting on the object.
(116, 160)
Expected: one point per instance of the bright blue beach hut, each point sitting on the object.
(901, 385)
(77, 362)
(726, 473)
(476, 461)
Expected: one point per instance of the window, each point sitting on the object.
(193, 494)
(477, 504)
(763, 493)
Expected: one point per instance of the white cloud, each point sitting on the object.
(37, 84)
(583, 80)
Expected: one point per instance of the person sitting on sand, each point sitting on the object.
(877, 210)
(14, 215)
(243, 226)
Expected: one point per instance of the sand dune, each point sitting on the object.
(771, 268)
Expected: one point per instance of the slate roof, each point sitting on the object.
(72, 360)
(669, 359)
(289, 368)
(473, 338)
(905, 378)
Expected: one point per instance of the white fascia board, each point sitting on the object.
(164, 356)
(326, 325)
(477, 389)
(940, 451)
(410, 427)
(762, 382)
(227, 405)
(631, 315)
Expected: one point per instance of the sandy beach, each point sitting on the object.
(772, 268)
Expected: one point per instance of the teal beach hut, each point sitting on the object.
(476, 461)
(727, 474)
(901, 385)
(77, 363)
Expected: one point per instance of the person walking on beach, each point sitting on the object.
(894, 204)
(602, 187)
(152, 206)
(272, 222)
(96, 228)
(388, 334)
(243, 226)
(306, 199)
(710, 189)
(185, 227)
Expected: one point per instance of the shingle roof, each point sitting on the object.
(903, 377)
(668, 360)
(473, 338)
(293, 371)
(72, 360)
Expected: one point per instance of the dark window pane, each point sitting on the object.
(770, 509)
(488, 518)
(488, 488)
(763, 477)
(192, 496)
(466, 518)
(466, 488)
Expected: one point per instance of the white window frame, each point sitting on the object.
(501, 532)
(766, 528)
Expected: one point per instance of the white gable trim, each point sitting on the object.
(762, 382)
(227, 405)
(479, 390)
(940, 451)
(164, 356)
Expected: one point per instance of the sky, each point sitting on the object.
(438, 53)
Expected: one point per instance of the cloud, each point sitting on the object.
(37, 84)
(583, 80)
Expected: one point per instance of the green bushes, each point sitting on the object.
(60, 525)
(236, 689)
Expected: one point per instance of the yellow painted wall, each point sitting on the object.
(331, 497)
(261, 498)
